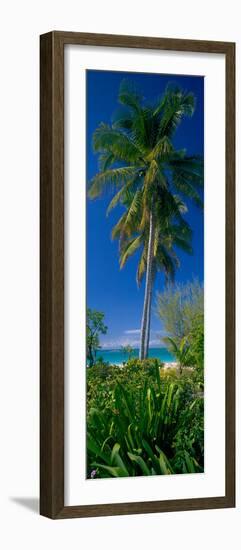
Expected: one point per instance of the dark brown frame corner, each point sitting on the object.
(52, 274)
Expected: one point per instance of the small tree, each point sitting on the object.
(181, 351)
(189, 351)
(128, 350)
(179, 307)
(95, 327)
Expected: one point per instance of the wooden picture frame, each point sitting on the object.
(52, 274)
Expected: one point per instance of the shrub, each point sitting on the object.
(181, 310)
(137, 421)
(178, 306)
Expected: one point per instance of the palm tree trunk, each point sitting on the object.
(91, 356)
(147, 336)
(145, 324)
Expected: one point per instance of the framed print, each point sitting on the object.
(137, 382)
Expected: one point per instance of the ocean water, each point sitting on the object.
(117, 357)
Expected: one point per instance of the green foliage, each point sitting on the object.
(94, 327)
(140, 423)
(128, 351)
(180, 350)
(189, 439)
(102, 379)
(180, 308)
(196, 340)
(138, 161)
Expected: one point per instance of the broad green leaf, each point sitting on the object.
(139, 460)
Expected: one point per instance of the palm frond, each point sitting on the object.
(135, 207)
(105, 161)
(182, 230)
(162, 149)
(194, 162)
(183, 185)
(169, 206)
(132, 246)
(165, 263)
(115, 177)
(140, 116)
(189, 168)
(128, 95)
(180, 204)
(141, 268)
(116, 200)
(174, 105)
(123, 119)
(110, 140)
(183, 244)
(156, 240)
(151, 173)
(122, 195)
(118, 228)
(172, 345)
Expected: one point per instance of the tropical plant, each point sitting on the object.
(102, 379)
(181, 309)
(139, 433)
(180, 350)
(137, 157)
(95, 327)
(168, 235)
(127, 350)
(196, 339)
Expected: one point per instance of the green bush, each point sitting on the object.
(139, 423)
(102, 379)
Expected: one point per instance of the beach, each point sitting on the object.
(118, 357)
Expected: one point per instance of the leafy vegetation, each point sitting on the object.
(180, 308)
(128, 351)
(94, 327)
(140, 423)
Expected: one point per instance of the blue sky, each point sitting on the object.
(110, 289)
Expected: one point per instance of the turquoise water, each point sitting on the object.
(117, 357)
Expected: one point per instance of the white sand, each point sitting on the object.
(172, 365)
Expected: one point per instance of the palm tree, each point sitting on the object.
(137, 157)
(171, 231)
(180, 350)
